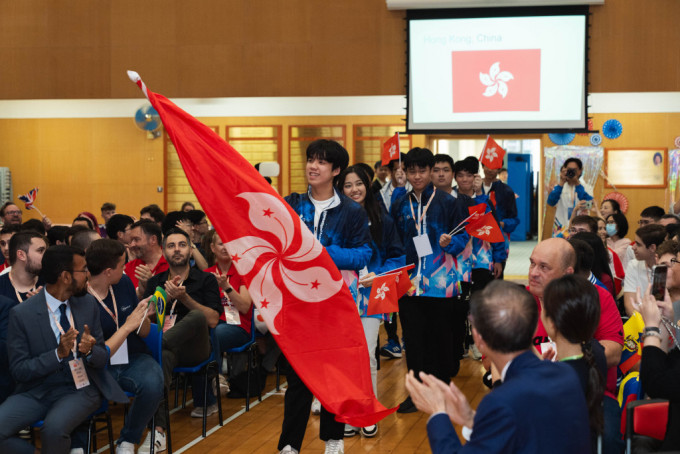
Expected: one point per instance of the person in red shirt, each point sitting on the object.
(554, 258)
(145, 244)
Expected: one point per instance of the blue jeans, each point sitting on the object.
(143, 377)
(229, 336)
(612, 442)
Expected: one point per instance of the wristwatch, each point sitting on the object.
(230, 289)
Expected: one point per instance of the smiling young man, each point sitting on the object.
(193, 306)
(341, 226)
(432, 319)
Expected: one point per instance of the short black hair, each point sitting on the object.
(441, 157)
(655, 212)
(56, 233)
(621, 223)
(83, 238)
(108, 206)
(615, 205)
(652, 234)
(171, 220)
(505, 315)
(377, 165)
(10, 228)
(584, 219)
(22, 241)
(103, 254)
(419, 157)
(71, 231)
(578, 162)
(188, 204)
(154, 211)
(149, 228)
(666, 216)
(175, 231)
(330, 151)
(196, 216)
(58, 259)
(34, 224)
(83, 218)
(118, 223)
(469, 164)
(395, 162)
(584, 255)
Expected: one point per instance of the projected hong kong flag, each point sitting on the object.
(496, 80)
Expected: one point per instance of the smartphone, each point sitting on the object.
(659, 273)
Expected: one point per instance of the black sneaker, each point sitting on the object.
(407, 406)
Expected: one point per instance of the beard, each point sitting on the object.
(78, 291)
(178, 260)
(33, 268)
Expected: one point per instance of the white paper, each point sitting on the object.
(79, 374)
(121, 355)
(231, 314)
(423, 246)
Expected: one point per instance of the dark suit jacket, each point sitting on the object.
(539, 408)
(6, 382)
(31, 345)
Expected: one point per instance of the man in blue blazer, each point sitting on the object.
(539, 407)
(48, 335)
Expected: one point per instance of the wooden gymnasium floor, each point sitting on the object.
(257, 431)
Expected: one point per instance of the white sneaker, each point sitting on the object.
(288, 449)
(474, 352)
(198, 411)
(159, 443)
(125, 448)
(369, 431)
(77, 451)
(335, 447)
(350, 431)
(316, 407)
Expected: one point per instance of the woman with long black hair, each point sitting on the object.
(570, 314)
(388, 254)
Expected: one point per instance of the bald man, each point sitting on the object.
(553, 258)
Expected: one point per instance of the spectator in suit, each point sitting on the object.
(522, 414)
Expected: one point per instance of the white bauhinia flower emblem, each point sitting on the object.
(496, 80)
(490, 154)
(486, 230)
(393, 150)
(380, 293)
(312, 284)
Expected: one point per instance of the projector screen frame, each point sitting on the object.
(470, 13)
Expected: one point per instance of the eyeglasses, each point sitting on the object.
(674, 261)
(80, 271)
(12, 213)
(644, 222)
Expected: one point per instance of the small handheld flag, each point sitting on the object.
(384, 298)
(390, 150)
(492, 154)
(29, 199)
(157, 299)
(485, 228)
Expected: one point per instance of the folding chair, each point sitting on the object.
(647, 417)
(251, 348)
(154, 341)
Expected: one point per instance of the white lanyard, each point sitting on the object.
(21, 300)
(61, 330)
(108, 311)
(422, 214)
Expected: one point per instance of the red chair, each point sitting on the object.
(647, 417)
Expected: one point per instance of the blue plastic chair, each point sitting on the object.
(209, 367)
(250, 347)
(154, 341)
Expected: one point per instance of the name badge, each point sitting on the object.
(79, 374)
(231, 314)
(169, 322)
(423, 246)
(121, 355)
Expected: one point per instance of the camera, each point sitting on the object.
(571, 173)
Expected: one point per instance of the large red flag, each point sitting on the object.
(485, 228)
(293, 281)
(492, 154)
(384, 297)
(390, 149)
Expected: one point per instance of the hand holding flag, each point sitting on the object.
(384, 298)
(29, 200)
(492, 154)
(485, 228)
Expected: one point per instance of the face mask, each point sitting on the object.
(611, 229)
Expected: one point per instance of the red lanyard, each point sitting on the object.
(101, 301)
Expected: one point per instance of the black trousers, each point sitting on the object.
(297, 405)
(391, 328)
(434, 330)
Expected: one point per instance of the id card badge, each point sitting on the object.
(169, 322)
(79, 374)
(231, 315)
(121, 355)
(423, 246)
